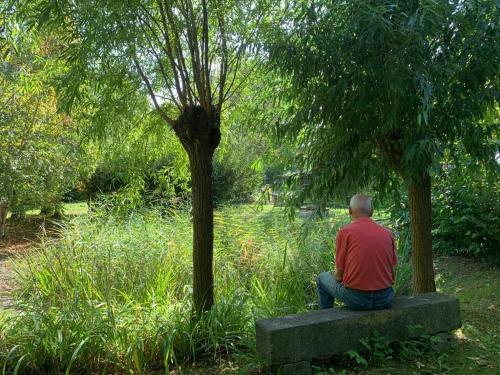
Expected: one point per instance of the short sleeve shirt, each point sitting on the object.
(366, 253)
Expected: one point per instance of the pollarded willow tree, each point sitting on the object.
(383, 87)
(185, 55)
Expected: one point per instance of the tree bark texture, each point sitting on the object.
(199, 133)
(419, 194)
(3, 218)
(203, 231)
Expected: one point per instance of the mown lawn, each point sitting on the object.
(478, 288)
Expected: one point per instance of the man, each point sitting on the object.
(365, 259)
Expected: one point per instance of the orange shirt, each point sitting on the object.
(366, 253)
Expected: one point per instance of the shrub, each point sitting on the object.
(235, 179)
(466, 204)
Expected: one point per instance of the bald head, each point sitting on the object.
(360, 205)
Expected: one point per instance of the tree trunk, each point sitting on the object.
(419, 194)
(199, 133)
(203, 231)
(3, 218)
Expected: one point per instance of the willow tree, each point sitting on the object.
(381, 88)
(186, 54)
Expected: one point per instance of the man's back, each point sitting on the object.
(365, 252)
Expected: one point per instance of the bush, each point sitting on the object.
(235, 181)
(466, 204)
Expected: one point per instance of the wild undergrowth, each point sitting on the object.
(113, 293)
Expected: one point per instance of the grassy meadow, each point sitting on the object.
(112, 294)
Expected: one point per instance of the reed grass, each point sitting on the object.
(113, 293)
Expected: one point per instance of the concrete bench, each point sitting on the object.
(289, 343)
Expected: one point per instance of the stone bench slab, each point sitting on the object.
(322, 334)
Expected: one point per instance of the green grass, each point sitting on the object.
(113, 295)
(477, 286)
(75, 208)
(70, 209)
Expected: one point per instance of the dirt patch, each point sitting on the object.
(21, 238)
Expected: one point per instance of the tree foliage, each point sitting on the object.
(385, 83)
(382, 87)
(40, 150)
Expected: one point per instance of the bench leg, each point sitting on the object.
(297, 368)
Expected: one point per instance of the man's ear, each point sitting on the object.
(350, 210)
(371, 213)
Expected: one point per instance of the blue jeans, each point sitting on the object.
(329, 289)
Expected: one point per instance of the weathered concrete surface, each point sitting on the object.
(320, 334)
(301, 368)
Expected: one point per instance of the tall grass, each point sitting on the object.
(113, 294)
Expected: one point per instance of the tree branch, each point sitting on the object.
(181, 83)
(145, 79)
(192, 41)
(206, 70)
(164, 73)
(223, 63)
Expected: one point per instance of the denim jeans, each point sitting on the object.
(329, 289)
